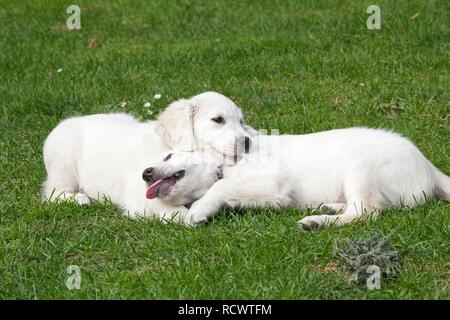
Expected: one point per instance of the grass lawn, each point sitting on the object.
(297, 66)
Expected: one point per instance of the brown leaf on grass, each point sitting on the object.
(50, 74)
(135, 77)
(153, 267)
(74, 256)
(330, 267)
(447, 273)
(337, 102)
(92, 43)
(414, 16)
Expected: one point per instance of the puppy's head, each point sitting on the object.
(207, 121)
(181, 177)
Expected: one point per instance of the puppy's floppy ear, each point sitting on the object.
(176, 125)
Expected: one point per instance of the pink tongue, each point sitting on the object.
(152, 191)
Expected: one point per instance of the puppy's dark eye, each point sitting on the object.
(168, 157)
(242, 122)
(219, 120)
(179, 174)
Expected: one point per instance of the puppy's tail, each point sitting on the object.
(442, 183)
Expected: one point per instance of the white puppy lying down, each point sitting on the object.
(105, 154)
(353, 172)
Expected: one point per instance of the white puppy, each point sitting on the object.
(106, 154)
(353, 172)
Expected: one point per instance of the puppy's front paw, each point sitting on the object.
(312, 222)
(82, 199)
(324, 209)
(197, 215)
(193, 221)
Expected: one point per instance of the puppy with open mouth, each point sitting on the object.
(161, 186)
(181, 177)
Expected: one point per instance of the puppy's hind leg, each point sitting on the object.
(361, 202)
(62, 184)
(55, 190)
(62, 175)
(317, 221)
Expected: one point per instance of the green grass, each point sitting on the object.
(298, 66)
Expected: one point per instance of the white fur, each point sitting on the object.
(105, 154)
(186, 125)
(352, 172)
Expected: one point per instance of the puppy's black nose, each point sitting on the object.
(247, 144)
(147, 174)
